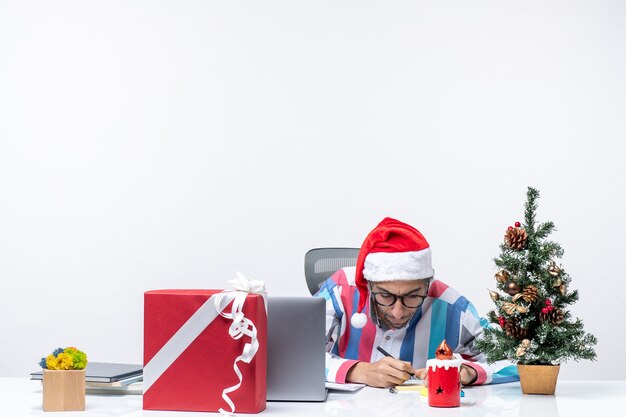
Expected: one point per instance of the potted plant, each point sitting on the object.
(534, 327)
(64, 380)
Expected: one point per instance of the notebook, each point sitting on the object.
(295, 349)
(104, 372)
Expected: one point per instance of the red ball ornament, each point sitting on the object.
(550, 308)
(548, 302)
(510, 228)
(544, 310)
(517, 224)
(501, 321)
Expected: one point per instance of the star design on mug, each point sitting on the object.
(439, 390)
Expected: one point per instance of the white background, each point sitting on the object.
(167, 144)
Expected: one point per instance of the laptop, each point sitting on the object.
(295, 349)
(106, 372)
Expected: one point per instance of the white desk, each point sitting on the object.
(23, 397)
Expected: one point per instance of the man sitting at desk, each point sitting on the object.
(391, 300)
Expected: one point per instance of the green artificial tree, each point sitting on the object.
(534, 325)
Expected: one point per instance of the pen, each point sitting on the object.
(384, 352)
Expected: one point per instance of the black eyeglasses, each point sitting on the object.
(386, 299)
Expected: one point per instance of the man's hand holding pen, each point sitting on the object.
(383, 373)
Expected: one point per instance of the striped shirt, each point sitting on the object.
(445, 314)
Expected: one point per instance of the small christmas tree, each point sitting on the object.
(534, 325)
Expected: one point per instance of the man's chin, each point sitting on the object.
(397, 326)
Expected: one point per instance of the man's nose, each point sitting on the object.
(398, 309)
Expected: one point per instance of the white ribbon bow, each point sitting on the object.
(240, 327)
(252, 286)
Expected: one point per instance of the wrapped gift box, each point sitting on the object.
(189, 353)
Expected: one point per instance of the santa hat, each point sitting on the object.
(392, 251)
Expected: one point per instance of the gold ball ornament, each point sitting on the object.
(563, 289)
(502, 276)
(521, 351)
(494, 295)
(526, 343)
(553, 269)
(557, 283)
(512, 288)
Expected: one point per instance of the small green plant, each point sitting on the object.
(64, 359)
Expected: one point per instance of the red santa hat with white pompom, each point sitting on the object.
(392, 251)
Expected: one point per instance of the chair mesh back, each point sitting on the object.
(331, 265)
(320, 264)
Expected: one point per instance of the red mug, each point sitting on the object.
(444, 382)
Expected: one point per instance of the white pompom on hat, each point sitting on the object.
(392, 251)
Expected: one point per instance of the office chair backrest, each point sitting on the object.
(321, 263)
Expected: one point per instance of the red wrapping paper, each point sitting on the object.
(196, 378)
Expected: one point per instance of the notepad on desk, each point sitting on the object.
(411, 385)
(344, 387)
(106, 372)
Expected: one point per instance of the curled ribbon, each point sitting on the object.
(240, 327)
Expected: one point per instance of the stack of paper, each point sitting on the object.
(134, 388)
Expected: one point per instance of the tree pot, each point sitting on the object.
(538, 379)
(63, 390)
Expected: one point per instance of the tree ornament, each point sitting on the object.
(517, 224)
(552, 315)
(494, 295)
(530, 294)
(563, 289)
(557, 283)
(501, 321)
(557, 317)
(512, 288)
(502, 276)
(512, 308)
(513, 329)
(515, 238)
(521, 349)
(554, 270)
(508, 308)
